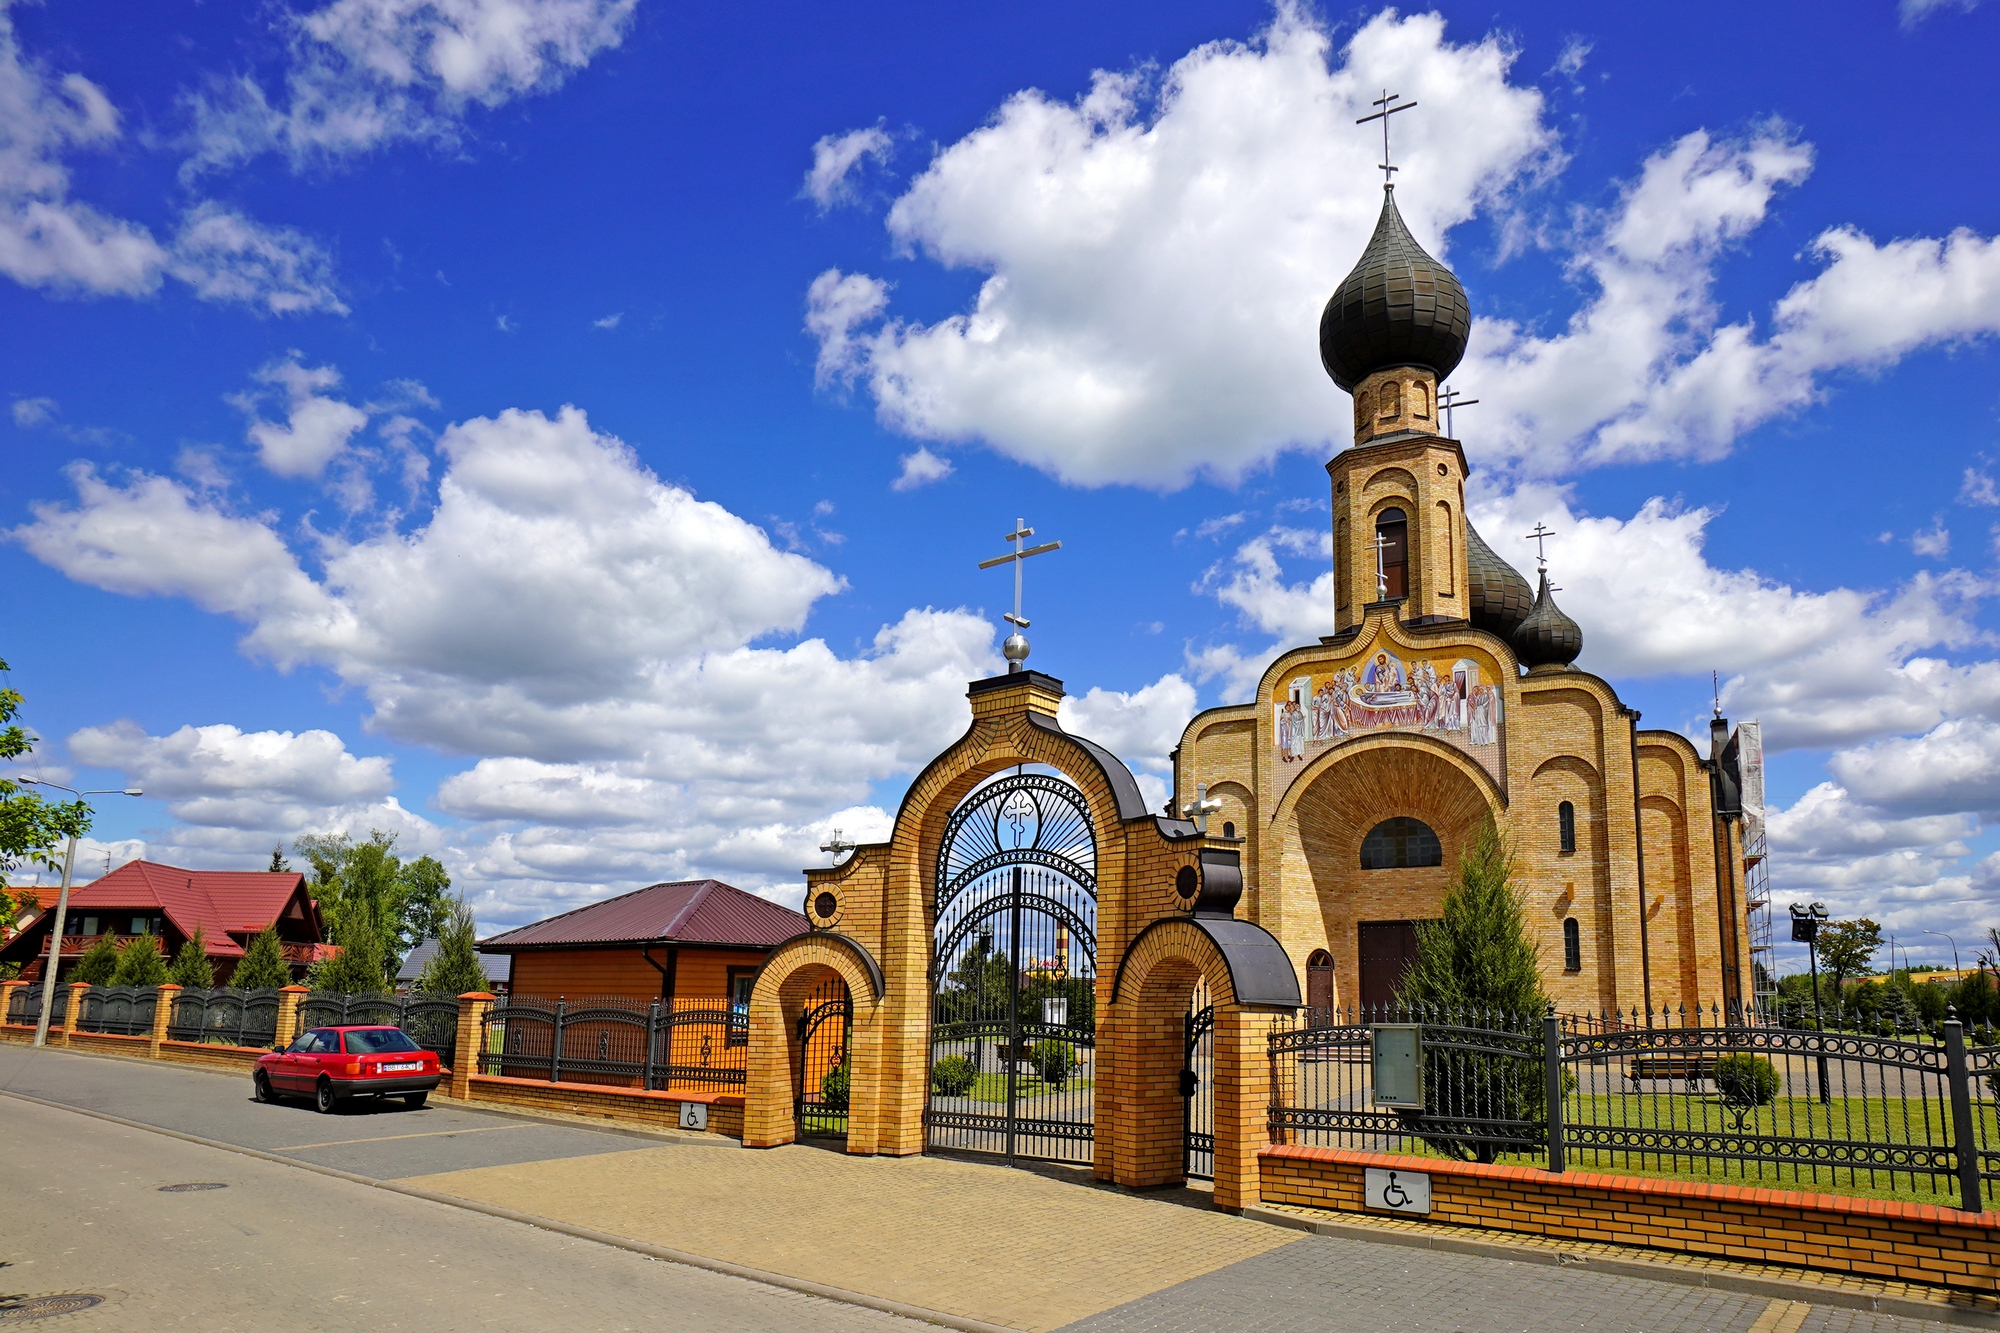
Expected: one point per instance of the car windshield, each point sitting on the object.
(379, 1041)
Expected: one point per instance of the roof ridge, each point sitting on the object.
(700, 895)
(585, 907)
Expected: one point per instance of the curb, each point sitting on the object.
(842, 1295)
(1776, 1288)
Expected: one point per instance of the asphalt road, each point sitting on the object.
(377, 1139)
(282, 1249)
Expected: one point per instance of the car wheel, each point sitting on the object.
(325, 1099)
(415, 1100)
(260, 1087)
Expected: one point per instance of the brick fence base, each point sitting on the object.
(1908, 1242)
(648, 1110)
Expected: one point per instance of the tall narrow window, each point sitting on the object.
(1572, 945)
(1566, 825)
(1392, 530)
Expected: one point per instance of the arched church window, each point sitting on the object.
(1228, 829)
(1400, 843)
(1389, 405)
(1566, 825)
(1572, 945)
(1392, 530)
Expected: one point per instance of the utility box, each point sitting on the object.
(1398, 1050)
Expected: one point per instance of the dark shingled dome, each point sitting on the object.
(1399, 307)
(1547, 637)
(1501, 598)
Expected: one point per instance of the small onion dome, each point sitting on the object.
(1547, 637)
(1399, 307)
(1501, 599)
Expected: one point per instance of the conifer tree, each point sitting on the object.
(140, 963)
(1476, 967)
(191, 969)
(98, 963)
(1478, 958)
(357, 968)
(263, 964)
(454, 969)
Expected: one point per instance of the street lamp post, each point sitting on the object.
(1954, 946)
(1806, 919)
(62, 904)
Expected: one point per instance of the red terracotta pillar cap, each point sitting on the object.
(477, 995)
(300, 990)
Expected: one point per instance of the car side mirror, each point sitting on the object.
(277, 1050)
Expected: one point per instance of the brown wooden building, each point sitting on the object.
(693, 940)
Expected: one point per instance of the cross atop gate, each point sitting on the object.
(1016, 646)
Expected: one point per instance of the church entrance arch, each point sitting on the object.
(1013, 973)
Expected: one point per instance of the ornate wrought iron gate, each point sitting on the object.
(1198, 1086)
(824, 1031)
(1013, 1008)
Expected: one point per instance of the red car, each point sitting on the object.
(333, 1064)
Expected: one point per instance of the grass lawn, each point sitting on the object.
(993, 1087)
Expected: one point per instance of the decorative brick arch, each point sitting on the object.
(777, 998)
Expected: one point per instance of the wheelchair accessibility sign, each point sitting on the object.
(1397, 1191)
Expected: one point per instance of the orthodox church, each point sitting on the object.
(1446, 696)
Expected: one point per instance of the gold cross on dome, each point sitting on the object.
(1387, 102)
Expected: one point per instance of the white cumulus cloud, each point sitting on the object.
(921, 469)
(316, 427)
(834, 160)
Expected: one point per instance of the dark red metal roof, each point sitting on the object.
(695, 911)
(222, 902)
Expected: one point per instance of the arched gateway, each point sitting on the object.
(1013, 974)
(1021, 956)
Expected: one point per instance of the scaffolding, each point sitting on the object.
(1749, 747)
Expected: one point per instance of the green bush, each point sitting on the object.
(1746, 1082)
(262, 966)
(1052, 1060)
(953, 1076)
(140, 963)
(833, 1089)
(99, 961)
(191, 969)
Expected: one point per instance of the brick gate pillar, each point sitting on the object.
(73, 1017)
(163, 1014)
(473, 1007)
(288, 1014)
(8, 990)
(1242, 1100)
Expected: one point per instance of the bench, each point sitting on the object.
(1690, 1068)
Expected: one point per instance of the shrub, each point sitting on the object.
(140, 963)
(1052, 1060)
(99, 961)
(1746, 1082)
(263, 965)
(953, 1076)
(191, 969)
(455, 968)
(833, 1089)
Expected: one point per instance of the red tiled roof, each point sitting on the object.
(698, 911)
(218, 901)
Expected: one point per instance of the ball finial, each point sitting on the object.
(1015, 650)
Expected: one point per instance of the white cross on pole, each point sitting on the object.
(1016, 646)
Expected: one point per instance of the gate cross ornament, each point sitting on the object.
(1016, 646)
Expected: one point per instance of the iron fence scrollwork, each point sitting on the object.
(618, 1042)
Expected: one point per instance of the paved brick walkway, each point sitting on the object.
(1005, 1246)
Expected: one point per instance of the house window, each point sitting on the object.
(1392, 530)
(741, 982)
(1400, 843)
(1572, 945)
(1566, 825)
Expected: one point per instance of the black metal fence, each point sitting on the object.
(225, 1016)
(826, 1026)
(1890, 1113)
(613, 1041)
(119, 1011)
(430, 1020)
(24, 1009)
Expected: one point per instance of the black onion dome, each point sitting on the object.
(1399, 307)
(1500, 598)
(1547, 637)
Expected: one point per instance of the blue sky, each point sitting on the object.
(564, 432)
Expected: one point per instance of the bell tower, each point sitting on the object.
(1392, 331)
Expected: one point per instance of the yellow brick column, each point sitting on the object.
(769, 1117)
(288, 1014)
(73, 1017)
(1242, 1101)
(163, 1014)
(8, 989)
(472, 1010)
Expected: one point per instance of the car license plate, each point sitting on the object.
(391, 1069)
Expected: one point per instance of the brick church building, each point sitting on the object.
(1446, 695)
